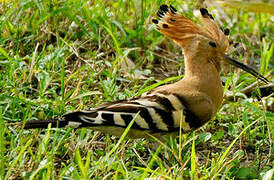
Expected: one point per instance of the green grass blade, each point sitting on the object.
(18, 158)
(193, 158)
(80, 164)
(2, 146)
(267, 53)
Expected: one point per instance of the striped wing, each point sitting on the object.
(158, 113)
(154, 113)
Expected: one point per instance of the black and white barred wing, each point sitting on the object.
(157, 113)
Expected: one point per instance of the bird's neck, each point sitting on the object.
(199, 65)
(204, 75)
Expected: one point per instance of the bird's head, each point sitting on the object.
(200, 43)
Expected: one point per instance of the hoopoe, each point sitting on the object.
(187, 104)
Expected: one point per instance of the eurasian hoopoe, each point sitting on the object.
(191, 102)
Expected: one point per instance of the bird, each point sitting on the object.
(185, 105)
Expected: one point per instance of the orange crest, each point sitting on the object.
(181, 29)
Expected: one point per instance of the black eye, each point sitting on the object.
(213, 44)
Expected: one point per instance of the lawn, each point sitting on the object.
(63, 56)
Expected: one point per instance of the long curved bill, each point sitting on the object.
(245, 68)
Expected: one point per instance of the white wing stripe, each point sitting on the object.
(118, 120)
(157, 120)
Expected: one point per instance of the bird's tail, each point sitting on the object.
(73, 120)
(44, 123)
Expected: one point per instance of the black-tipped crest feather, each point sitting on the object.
(172, 9)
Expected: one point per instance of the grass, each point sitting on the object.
(61, 56)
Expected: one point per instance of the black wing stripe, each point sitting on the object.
(123, 109)
(177, 104)
(166, 117)
(108, 117)
(192, 119)
(173, 104)
(144, 113)
(181, 99)
(164, 101)
(128, 118)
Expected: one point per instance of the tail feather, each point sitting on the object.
(73, 120)
(44, 123)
